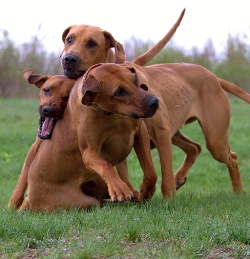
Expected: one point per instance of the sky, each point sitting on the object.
(142, 19)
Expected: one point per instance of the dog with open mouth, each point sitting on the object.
(83, 148)
(53, 96)
(51, 111)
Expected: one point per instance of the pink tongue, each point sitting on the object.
(47, 127)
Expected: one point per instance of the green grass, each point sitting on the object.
(204, 220)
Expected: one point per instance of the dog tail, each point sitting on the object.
(148, 55)
(234, 90)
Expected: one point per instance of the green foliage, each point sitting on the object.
(14, 59)
(236, 64)
(233, 64)
(203, 221)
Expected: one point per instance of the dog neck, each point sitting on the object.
(100, 110)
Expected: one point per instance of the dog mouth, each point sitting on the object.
(73, 74)
(149, 109)
(144, 116)
(46, 126)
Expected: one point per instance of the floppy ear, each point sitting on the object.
(89, 89)
(119, 50)
(38, 80)
(65, 33)
(142, 80)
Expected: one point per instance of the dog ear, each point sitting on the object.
(89, 89)
(142, 80)
(38, 80)
(119, 49)
(65, 33)
(27, 73)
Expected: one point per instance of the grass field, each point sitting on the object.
(204, 220)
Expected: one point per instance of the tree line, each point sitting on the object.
(233, 64)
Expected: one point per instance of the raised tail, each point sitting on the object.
(148, 55)
(234, 90)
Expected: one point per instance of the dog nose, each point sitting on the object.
(153, 103)
(48, 111)
(69, 59)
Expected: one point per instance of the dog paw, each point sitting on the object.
(146, 193)
(148, 188)
(120, 193)
(179, 184)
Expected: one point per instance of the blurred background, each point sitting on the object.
(215, 34)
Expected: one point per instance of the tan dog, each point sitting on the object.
(94, 46)
(57, 177)
(188, 92)
(53, 96)
(86, 45)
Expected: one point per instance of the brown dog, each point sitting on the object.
(95, 46)
(57, 176)
(53, 96)
(86, 45)
(188, 92)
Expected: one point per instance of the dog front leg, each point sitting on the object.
(142, 149)
(25, 205)
(118, 190)
(122, 169)
(19, 191)
(164, 146)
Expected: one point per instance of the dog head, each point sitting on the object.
(53, 96)
(116, 89)
(86, 45)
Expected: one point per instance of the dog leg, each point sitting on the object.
(118, 190)
(229, 158)
(215, 129)
(122, 169)
(221, 152)
(160, 136)
(25, 205)
(48, 196)
(164, 146)
(192, 150)
(19, 191)
(142, 149)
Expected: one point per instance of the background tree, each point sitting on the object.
(15, 58)
(233, 64)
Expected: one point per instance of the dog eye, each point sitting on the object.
(91, 44)
(69, 40)
(46, 91)
(120, 92)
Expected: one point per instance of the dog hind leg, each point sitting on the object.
(192, 150)
(215, 124)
